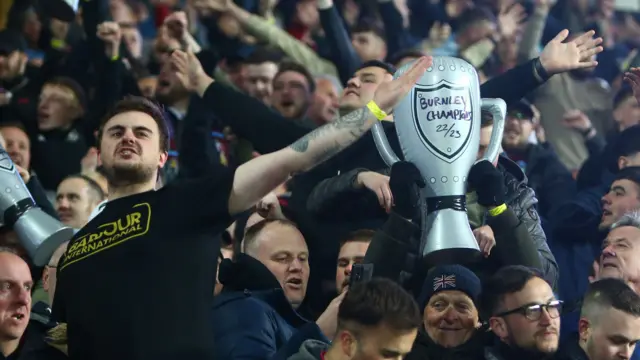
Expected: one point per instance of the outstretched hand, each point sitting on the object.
(390, 93)
(579, 53)
(633, 78)
(189, 71)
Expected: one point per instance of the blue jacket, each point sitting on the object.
(259, 325)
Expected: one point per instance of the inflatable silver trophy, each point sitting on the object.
(39, 233)
(438, 126)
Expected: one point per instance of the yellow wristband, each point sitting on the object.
(115, 57)
(498, 210)
(57, 44)
(376, 111)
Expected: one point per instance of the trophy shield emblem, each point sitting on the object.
(443, 118)
(5, 162)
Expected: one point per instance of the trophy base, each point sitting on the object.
(462, 256)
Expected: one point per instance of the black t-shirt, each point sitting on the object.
(137, 281)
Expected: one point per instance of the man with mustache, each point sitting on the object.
(523, 313)
(546, 175)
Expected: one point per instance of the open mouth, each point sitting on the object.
(295, 283)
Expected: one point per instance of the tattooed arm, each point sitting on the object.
(257, 177)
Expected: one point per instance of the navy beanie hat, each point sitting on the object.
(450, 277)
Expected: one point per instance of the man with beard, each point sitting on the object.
(523, 313)
(352, 251)
(546, 175)
(293, 87)
(153, 248)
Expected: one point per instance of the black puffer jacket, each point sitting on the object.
(332, 196)
(522, 200)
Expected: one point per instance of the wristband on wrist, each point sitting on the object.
(539, 70)
(57, 44)
(586, 132)
(376, 111)
(115, 57)
(498, 210)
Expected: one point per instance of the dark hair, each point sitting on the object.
(403, 54)
(14, 124)
(254, 230)
(369, 26)
(378, 302)
(295, 67)
(363, 235)
(611, 293)
(505, 281)
(94, 187)
(631, 173)
(623, 94)
(381, 64)
(264, 54)
(139, 104)
(627, 142)
(474, 15)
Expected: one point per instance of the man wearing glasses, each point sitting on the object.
(523, 313)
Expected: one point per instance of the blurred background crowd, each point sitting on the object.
(569, 171)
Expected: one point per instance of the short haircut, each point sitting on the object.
(505, 281)
(252, 233)
(362, 235)
(631, 218)
(631, 173)
(473, 16)
(10, 250)
(94, 187)
(13, 124)
(627, 143)
(295, 67)
(610, 293)
(369, 26)
(333, 80)
(376, 302)
(139, 104)
(401, 55)
(380, 64)
(263, 54)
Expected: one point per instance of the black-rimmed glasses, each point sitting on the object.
(534, 311)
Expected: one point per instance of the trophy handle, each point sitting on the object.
(497, 108)
(382, 144)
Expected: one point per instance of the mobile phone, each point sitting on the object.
(360, 273)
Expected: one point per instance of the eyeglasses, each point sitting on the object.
(533, 312)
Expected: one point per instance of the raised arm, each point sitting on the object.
(256, 178)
